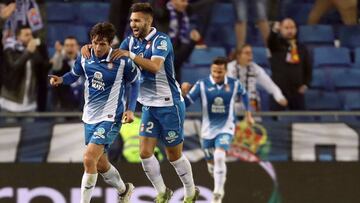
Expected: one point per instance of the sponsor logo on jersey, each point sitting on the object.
(218, 105)
(97, 82)
(163, 45)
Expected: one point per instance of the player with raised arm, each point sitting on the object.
(217, 93)
(104, 108)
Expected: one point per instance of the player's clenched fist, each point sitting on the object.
(185, 87)
(55, 80)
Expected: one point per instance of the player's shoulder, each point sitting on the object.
(161, 36)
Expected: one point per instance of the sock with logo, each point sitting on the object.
(88, 183)
(219, 171)
(113, 178)
(151, 167)
(183, 169)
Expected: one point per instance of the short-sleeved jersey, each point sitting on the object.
(159, 89)
(218, 115)
(104, 86)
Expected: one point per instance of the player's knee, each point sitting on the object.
(173, 155)
(89, 161)
(144, 154)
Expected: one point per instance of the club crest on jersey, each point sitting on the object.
(227, 88)
(110, 65)
(218, 105)
(163, 45)
(148, 45)
(97, 82)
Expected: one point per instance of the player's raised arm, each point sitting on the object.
(131, 75)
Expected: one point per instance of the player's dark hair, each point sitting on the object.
(221, 61)
(103, 30)
(142, 7)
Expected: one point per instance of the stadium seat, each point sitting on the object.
(345, 78)
(223, 13)
(59, 31)
(357, 57)
(60, 12)
(319, 100)
(221, 35)
(203, 57)
(351, 100)
(316, 34)
(299, 12)
(192, 74)
(92, 13)
(319, 79)
(260, 57)
(349, 36)
(331, 56)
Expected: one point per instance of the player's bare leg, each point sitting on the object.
(112, 177)
(151, 168)
(91, 157)
(183, 169)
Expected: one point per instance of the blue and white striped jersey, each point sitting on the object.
(218, 114)
(104, 86)
(160, 89)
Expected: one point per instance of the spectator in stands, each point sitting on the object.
(118, 16)
(66, 97)
(347, 9)
(242, 7)
(250, 74)
(22, 64)
(172, 17)
(290, 64)
(6, 10)
(27, 13)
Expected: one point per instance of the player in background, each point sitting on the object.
(163, 110)
(217, 93)
(105, 108)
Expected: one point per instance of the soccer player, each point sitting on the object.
(104, 108)
(163, 110)
(218, 93)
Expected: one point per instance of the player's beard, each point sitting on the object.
(144, 31)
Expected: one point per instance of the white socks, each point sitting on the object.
(219, 171)
(87, 187)
(112, 177)
(183, 169)
(151, 167)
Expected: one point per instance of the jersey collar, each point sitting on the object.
(213, 82)
(107, 59)
(151, 34)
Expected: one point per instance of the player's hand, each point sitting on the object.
(249, 119)
(118, 53)
(185, 87)
(55, 80)
(276, 26)
(58, 47)
(128, 117)
(85, 51)
(302, 89)
(283, 102)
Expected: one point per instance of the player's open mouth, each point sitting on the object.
(136, 31)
